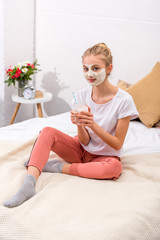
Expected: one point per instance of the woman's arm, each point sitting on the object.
(83, 135)
(116, 142)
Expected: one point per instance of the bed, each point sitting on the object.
(74, 208)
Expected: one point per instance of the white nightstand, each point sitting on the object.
(46, 98)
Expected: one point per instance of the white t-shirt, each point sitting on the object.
(106, 116)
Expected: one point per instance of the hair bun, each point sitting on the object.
(102, 45)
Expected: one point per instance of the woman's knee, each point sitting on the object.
(46, 130)
(112, 170)
(48, 133)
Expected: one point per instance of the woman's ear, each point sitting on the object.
(109, 69)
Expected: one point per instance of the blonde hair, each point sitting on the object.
(100, 49)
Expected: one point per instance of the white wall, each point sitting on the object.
(66, 28)
(18, 46)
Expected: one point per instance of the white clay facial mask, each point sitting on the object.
(98, 77)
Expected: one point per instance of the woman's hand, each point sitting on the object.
(85, 118)
(83, 134)
(73, 116)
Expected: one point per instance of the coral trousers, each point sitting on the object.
(83, 163)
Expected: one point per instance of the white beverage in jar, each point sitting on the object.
(79, 108)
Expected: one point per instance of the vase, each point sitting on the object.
(21, 85)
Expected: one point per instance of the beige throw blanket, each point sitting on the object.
(73, 208)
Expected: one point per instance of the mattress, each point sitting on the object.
(70, 207)
(139, 139)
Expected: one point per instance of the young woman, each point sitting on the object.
(95, 151)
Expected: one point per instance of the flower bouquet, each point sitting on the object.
(21, 73)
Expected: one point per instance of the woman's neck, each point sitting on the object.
(103, 92)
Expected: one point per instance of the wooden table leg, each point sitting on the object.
(15, 113)
(39, 108)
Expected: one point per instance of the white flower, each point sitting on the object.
(19, 65)
(24, 70)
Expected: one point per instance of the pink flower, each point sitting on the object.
(30, 65)
(18, 73)
(9, 70)
(18, 69)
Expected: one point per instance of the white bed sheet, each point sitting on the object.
(139, 139)
(73, 208)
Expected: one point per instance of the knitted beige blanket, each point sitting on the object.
(73, 208)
